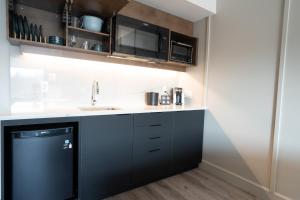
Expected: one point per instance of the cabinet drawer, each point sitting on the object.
(152, 145)
(152, 165)
(152, 119)
(151, 133)
(153, 152)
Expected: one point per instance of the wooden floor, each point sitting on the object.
(192, 185)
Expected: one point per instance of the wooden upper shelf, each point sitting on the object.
(48, 14)
(104, 8)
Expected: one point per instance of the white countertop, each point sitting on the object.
(56, 113)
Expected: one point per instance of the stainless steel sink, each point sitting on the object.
(97, 108)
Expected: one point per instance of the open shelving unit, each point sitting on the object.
(20, 42)
(92, 37)
(80, 30)
(49, 14)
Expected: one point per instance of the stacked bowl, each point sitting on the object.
(56, 40)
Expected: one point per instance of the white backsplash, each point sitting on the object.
(40, 82)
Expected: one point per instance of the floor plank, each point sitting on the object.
(192, 185)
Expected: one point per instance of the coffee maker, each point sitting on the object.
(177, 96)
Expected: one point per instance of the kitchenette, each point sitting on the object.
(149, 99)
(99, 99)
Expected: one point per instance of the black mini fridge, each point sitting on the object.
(42, 164)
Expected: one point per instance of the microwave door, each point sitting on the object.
(152, 42)
(146, 44)
(134, 37)
(125, 39)
(147, 40)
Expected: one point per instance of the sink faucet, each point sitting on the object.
(95, 91)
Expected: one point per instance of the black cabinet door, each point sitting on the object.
(105, 155)
(187, 139)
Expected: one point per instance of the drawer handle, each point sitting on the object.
(154, 150)
(154, 138)
(154, 125)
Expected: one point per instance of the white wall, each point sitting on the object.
(4, 61)
(37, 85)
(40, 82)
(193, 80)
(288, 172)
(244, 54)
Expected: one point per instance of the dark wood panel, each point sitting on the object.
(55, 6)
(103, 8)
(151, 15)
(69, 52)
(50, 47)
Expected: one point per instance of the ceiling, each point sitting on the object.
(192, 10)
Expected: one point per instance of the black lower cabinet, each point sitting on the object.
(152, 147)
(105, 156)
(187, 140)
(119, 152)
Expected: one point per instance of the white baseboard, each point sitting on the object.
(278, 196)
(261, 192)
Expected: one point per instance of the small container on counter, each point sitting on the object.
(152, 98)
(165, 99)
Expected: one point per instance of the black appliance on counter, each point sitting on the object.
(177, 96)
(132, 37)
(41, 162)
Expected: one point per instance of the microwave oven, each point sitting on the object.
(181, 52)
(132, 37)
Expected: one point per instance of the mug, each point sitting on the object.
(75, 22)
(85, 45)
(73, 40)
(98, 47)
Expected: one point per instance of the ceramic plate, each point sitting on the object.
(20, 25)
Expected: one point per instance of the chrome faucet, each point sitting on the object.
(95, 91)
